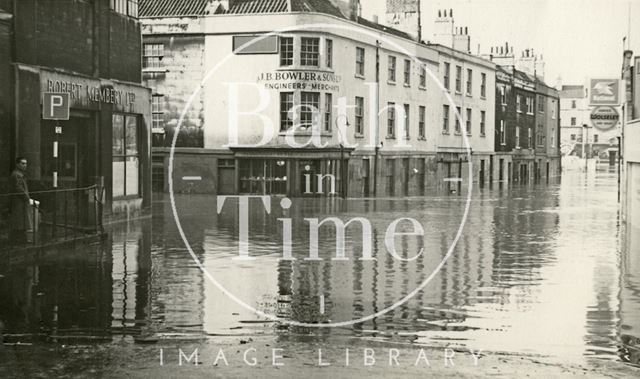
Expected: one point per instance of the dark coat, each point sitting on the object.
(20, 211)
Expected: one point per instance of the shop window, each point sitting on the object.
(359, 114)
(67, 157)
(359, 61)
(263, 177)
(286, 51)
(421, 122)
(152, 55)
(392, 69)
(125, 155)
(126, 7)
(310, 51)
(390, 173)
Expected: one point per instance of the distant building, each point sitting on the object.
(90, 50)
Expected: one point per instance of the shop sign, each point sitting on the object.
(605, 92)
(300, 80)
(604, 118)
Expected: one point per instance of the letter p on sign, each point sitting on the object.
(55, 106)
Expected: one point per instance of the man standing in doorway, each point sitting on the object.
(20, 216)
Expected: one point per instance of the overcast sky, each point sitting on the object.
(578, 38)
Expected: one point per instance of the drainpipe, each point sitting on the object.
(377, 121)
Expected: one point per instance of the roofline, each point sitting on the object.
(446, 49)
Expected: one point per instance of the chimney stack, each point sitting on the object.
(404, 15)
(349, 8)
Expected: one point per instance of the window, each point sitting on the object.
(329, 53)
(458, 115)
(573, 137)
(328, 104)
(423, 76)
(503, 134)
(573, 121)
(125, 163)
(529, 101)
(359, 113)
(359, 61)
(152, 55)
(421, 122)
(530, 138)
(391, 120)
(309, 51)
(392, 68)
(407, 72)
(540, 104)
(483, 120)
(458, 79)
(286, 51)
(503, 95)
(126, 7)
(157, 113)
(517, 137)
(468, 121)
(483, 85)
(595, 138)
(519, 103)
(407, 113)
(469, 82)
(573, 104)
(553, 135)
(286, 104)
(540, 135)
(447, 73)
(309, 108)
(553, 109)
(445, 119)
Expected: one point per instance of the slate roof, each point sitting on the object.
(158, 8)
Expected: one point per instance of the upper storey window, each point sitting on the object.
(126, 7)
(310, 51)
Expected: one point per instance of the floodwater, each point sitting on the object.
(537, 269)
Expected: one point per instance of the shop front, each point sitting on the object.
(292, 172)
(104, 142)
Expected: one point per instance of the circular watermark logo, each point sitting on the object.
(292, 142)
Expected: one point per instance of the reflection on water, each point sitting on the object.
(538, 269)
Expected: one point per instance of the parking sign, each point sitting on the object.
(55, 106)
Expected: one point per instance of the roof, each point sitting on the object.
(177, 8)
(157, 8)
(572, 92)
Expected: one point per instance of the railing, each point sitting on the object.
(61, 215)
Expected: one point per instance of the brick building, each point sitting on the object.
(90, 50)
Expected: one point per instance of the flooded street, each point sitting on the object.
(538, 270)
